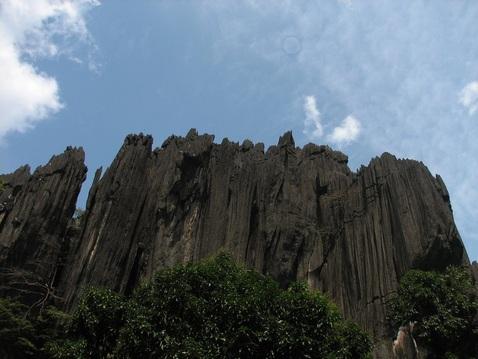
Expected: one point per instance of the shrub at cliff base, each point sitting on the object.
(24, 333)
(214, 309)
(444, 307)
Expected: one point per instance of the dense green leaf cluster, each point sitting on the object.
(444, 306)
(214, 309)
(16, 332)
(23, 335)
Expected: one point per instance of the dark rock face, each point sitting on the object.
(289, 212)
(474, 269)
(34, 213)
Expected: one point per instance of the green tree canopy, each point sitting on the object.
(16, 332)
(214, 309)
(23, 334)
(444, 306)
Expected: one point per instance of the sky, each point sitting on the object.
(365, 77)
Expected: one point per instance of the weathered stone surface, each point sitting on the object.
(34, 213)
(289, 212)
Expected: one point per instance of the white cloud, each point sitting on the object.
(469, 97)
(31, 29)
(348, 131)
(312, 124)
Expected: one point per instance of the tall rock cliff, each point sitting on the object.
(34, 214)
(293, 213)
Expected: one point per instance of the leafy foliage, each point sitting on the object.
(23, 336)
(214, 309)
(443, 305)
(16, 332)
(99, 318)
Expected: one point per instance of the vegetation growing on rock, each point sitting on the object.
(214, 309)
(24, 334)
(443, 307)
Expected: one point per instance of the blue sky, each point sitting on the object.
(363, 76)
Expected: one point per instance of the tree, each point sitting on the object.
(214, 309)
(16, 332)
(24, 334)
(443, 307)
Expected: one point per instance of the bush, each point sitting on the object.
(214, 309)
(17, 334)
(443, 305)
(23, 335)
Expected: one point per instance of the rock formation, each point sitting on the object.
(405, 346)
(293, 213)
(474, 268)
(34, 214)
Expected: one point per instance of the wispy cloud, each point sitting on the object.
(469, 97)
(348, 131)
(312, 124)
(30, 30)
